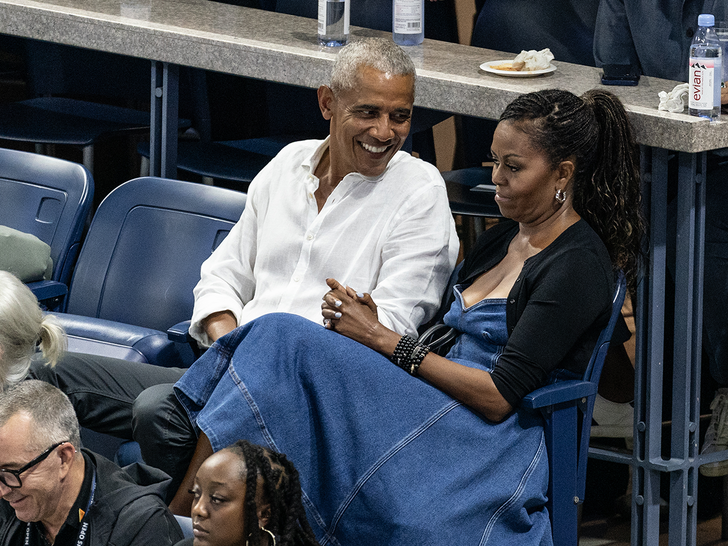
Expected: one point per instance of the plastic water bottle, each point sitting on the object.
(705, 71)
(408, 22)
(333, 22)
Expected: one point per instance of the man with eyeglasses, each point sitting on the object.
(55, 493)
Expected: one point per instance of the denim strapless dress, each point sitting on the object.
(483, 331)
(383, 457)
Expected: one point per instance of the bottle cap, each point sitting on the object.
(706, 20)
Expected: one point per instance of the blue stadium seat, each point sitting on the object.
(567, 408)
(138, 266)
(50, 198)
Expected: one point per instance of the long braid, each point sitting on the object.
(282, 489)
(614, 200)
(250, 457)
(294, 526)
(595, 131)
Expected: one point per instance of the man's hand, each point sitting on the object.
(218, 324)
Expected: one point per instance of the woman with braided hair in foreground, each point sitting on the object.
(246, 495)
(447, 456)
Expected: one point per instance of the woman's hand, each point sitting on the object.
(350, 313)
(355, 316)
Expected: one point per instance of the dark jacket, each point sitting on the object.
(556, 309)
(653, 35)
(128, 508)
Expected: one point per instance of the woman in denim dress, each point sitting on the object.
(436, 450)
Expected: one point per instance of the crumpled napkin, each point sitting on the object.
(675, 100)
(533, 60)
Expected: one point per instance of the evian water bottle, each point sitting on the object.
(704, 76)
(408, 22)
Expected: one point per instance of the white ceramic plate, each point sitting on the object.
(489, 67)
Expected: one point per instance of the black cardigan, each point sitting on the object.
(556, 309)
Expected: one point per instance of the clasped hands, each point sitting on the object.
(348, 312)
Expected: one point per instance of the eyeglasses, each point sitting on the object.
(11, 478)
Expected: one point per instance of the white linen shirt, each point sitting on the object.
(392, 236)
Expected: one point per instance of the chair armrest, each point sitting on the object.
(180, 332)
(51, 293)
(126, 341)
(185, 524)
(556, 393)
(103, 330)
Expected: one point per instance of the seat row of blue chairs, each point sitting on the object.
(140, 259)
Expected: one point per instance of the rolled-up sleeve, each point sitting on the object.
(417, 260)
(226, 281)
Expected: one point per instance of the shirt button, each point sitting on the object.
(309, 236)
(689, 33)
(296, 279)
(511, 301)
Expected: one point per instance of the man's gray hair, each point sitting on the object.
(379, 53)
(54, 419)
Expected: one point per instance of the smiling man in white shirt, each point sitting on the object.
(352, 207)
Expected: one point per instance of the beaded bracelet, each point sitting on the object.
(409, 354)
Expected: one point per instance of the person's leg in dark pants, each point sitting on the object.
(165, 434)
(102, 390)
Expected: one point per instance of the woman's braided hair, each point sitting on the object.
(282, 489)
(595, 132)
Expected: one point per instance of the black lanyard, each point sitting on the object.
(83, 533)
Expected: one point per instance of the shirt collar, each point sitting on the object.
(79, 507)
(312, 161)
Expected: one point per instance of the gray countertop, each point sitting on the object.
(284, 48)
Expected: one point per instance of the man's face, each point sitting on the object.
(38, 497)
(369, 123)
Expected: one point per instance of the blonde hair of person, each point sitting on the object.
(24, 328)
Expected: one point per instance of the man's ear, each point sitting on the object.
(67, 454)
(326, 100)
